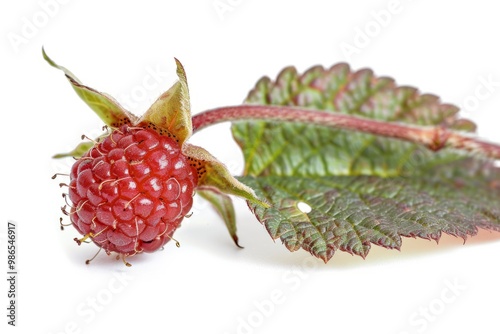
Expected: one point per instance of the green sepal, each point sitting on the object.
(77, 152)
(214, 174)
(171, 111)
(223, 205)
(107, 108)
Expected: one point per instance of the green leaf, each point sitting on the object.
(362, 189)
(266, 145)
(171, 111)
(223, 204)
(351, 212)
(107, 108)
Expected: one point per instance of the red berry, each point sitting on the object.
(131, 191)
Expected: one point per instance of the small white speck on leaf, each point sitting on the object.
(304, 207)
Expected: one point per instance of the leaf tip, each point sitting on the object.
(180, 69)
(236, 242)
(47, 58)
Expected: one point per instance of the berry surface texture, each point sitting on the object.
(130, 192)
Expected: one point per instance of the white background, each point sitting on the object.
(208, 285)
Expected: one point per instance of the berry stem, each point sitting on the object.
(433, 137)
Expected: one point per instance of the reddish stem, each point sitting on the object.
(435, 138)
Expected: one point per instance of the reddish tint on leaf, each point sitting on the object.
(362, 189)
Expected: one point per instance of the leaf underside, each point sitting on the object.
(362, 189)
